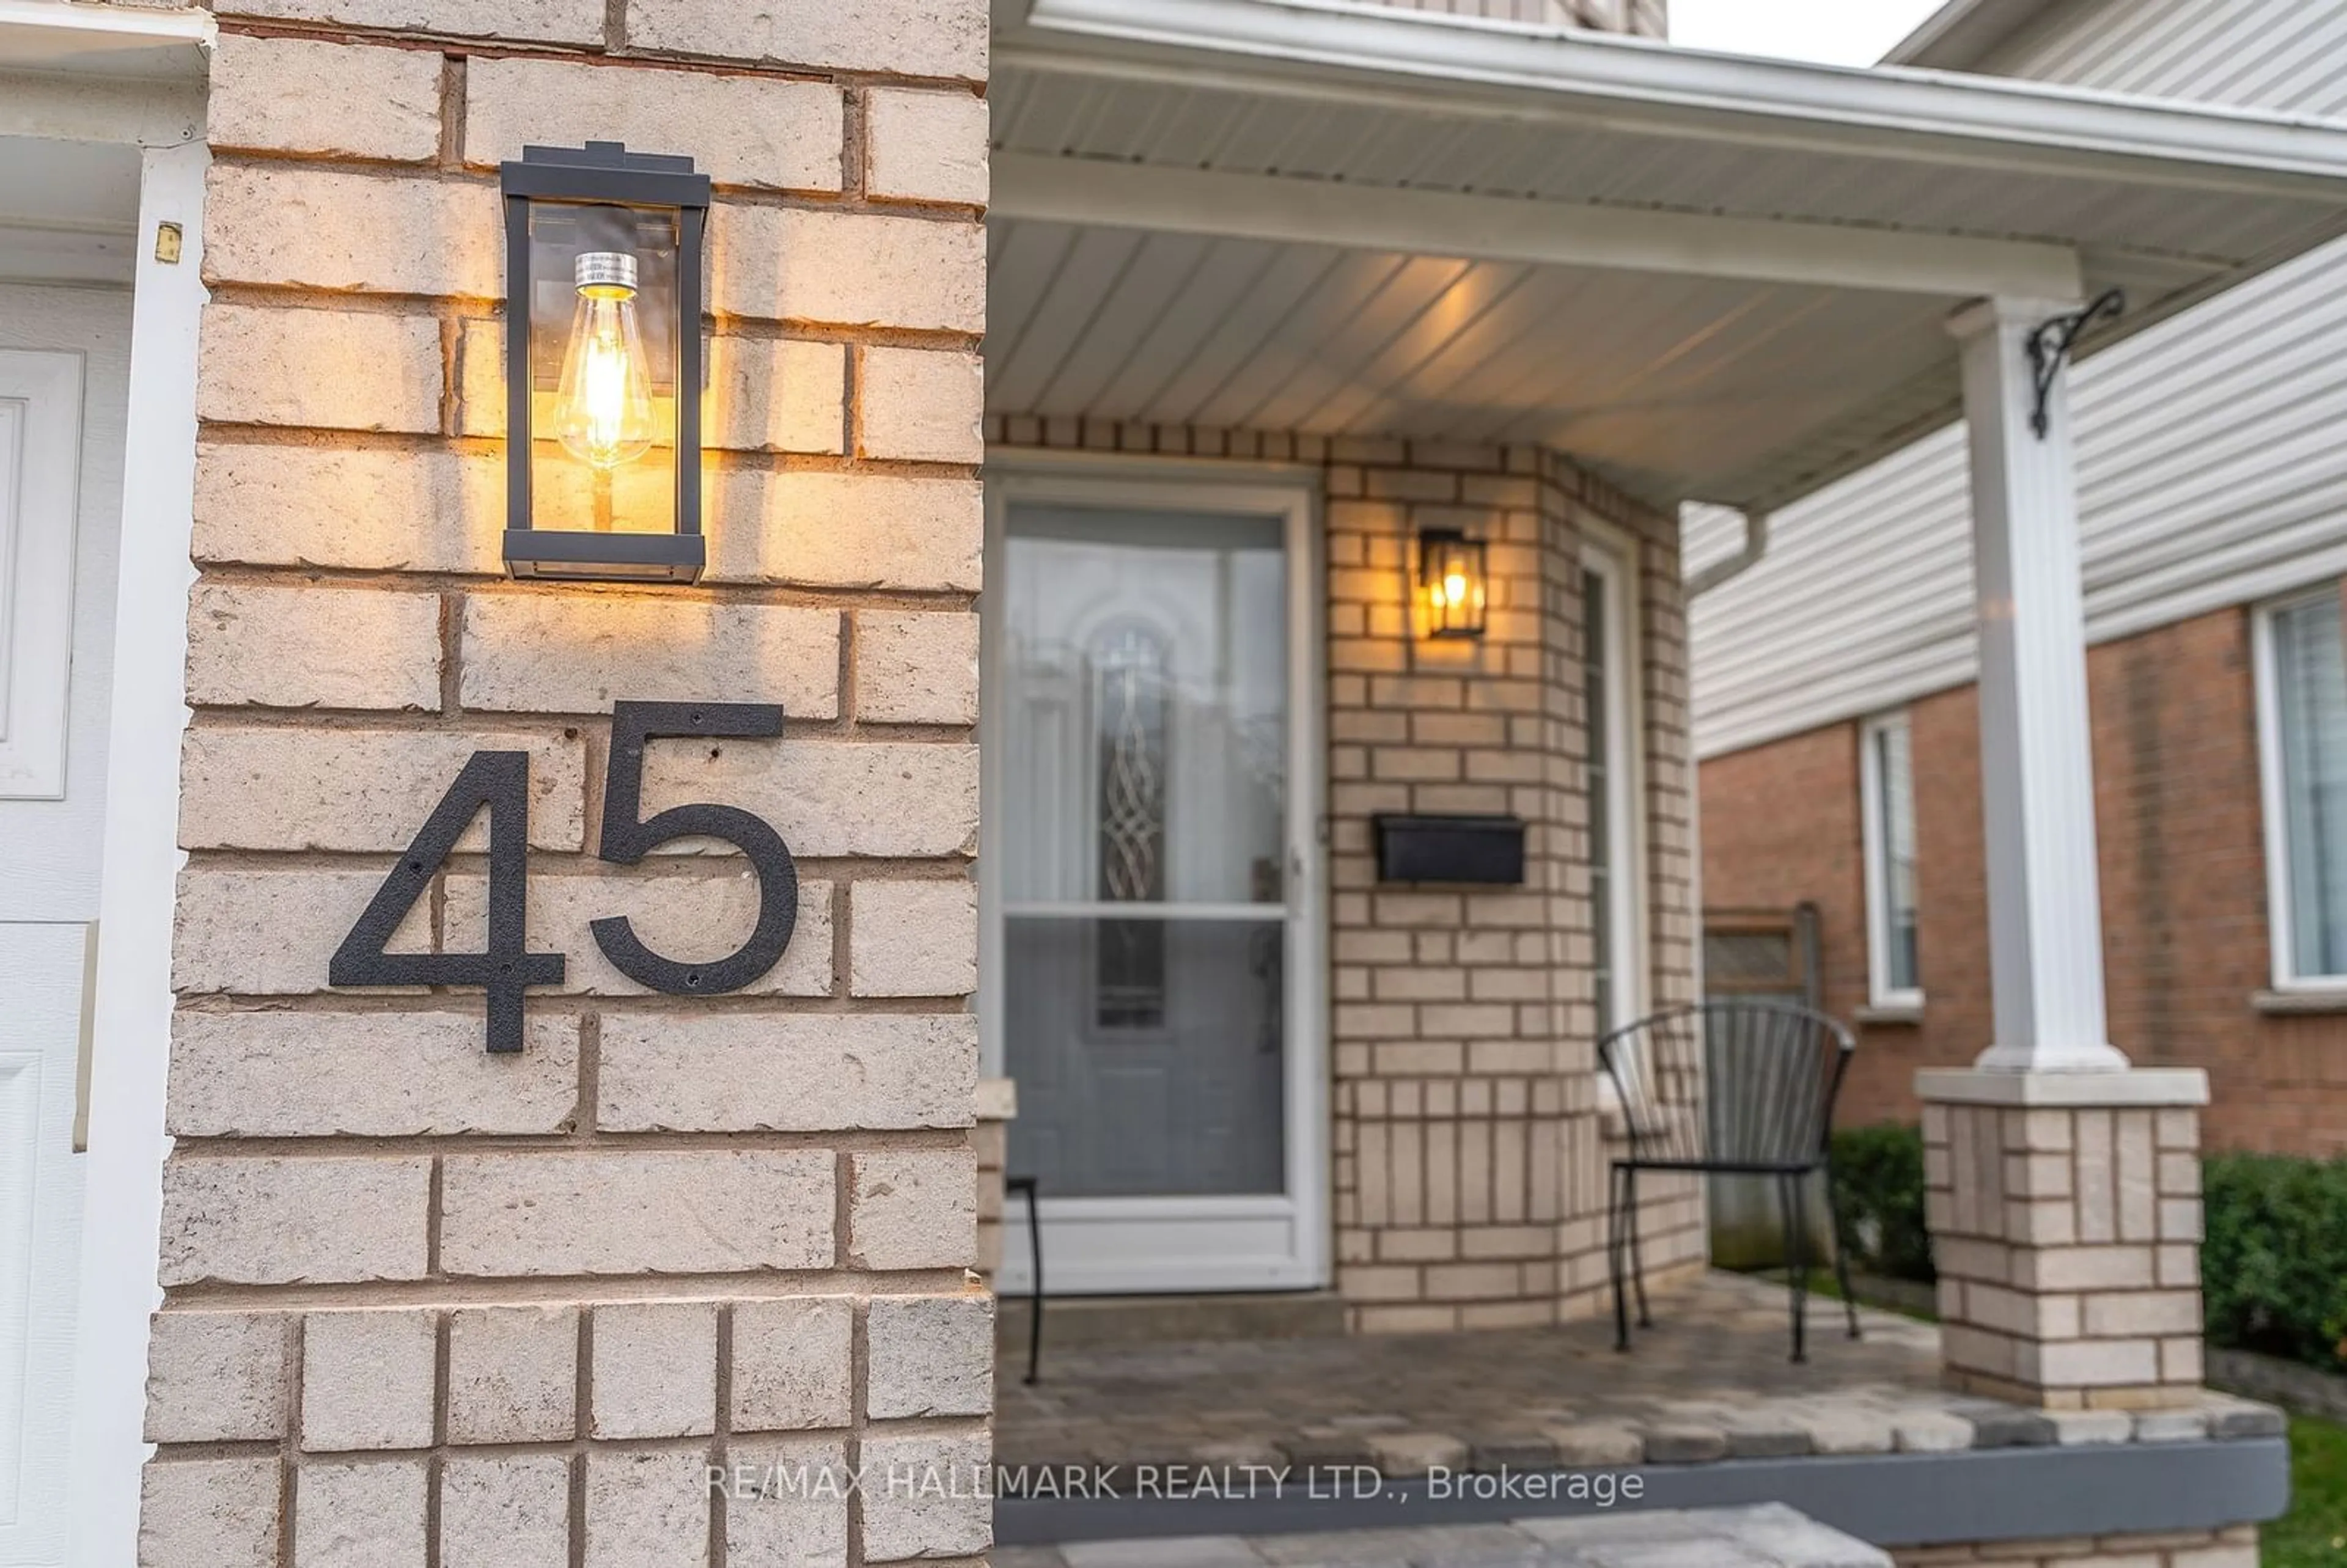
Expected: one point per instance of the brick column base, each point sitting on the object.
(2065, 1210)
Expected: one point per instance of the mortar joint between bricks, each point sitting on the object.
(452, 111)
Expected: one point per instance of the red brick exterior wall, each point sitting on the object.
(2183, 883)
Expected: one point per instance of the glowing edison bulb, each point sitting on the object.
(604, 408)
(1454, 589)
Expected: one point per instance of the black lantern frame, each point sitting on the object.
(604, 175)
(1444, 553)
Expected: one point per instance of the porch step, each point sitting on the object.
(1769, 1535)
(1092, 1322)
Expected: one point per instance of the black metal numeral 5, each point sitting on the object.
(627, 840)
(500, 782)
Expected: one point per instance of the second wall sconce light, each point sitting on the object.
(1453, 578)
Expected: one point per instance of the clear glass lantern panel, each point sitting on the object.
(602, 368)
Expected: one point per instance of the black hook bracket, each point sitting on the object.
(2051, 343)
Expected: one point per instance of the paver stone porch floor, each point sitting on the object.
(1710, 1381)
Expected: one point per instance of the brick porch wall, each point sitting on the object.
(425, 1304)
(2236, 1547)
(2183, 879)
(1470, 1178)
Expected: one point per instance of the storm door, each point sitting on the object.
(1151, 950)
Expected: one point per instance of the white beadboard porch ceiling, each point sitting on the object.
(1199, 205)
(1667, 382)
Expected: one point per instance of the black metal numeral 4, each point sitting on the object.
(498, 780)
(627, 840)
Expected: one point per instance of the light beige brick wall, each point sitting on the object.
(997, 1099)
(2233, 1547)
(1470, 1149)
(1647, 18)
(2068, 1244)
(427, 1305)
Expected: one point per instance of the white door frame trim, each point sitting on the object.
(131, 1028)
(1290, 491)
(1617, 556)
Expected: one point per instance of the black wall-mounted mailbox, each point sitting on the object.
(1474, 849)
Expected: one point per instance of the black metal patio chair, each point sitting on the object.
(1728, 1088)
(1028, 1186)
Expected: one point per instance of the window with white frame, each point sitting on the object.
(2302, 737)
(1886, 801)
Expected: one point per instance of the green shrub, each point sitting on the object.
(2274, 1266)
(1878, 1177)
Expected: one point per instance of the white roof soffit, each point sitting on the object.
(1810, 227)
(91, 73)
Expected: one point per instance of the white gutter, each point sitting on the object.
(104, 40)
(1307, 49)
(1721, 572)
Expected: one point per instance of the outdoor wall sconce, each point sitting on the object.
(603, 364)
(1451, 578)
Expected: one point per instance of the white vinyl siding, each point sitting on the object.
(2250, 54)
(2302, 739)
(1886, 799)
(2210, 470)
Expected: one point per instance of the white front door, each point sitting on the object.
(63, 358)
(1150, 874)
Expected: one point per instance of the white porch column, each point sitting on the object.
(2061, 1188)
(2037, 785)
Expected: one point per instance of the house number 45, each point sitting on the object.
(500, 781)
